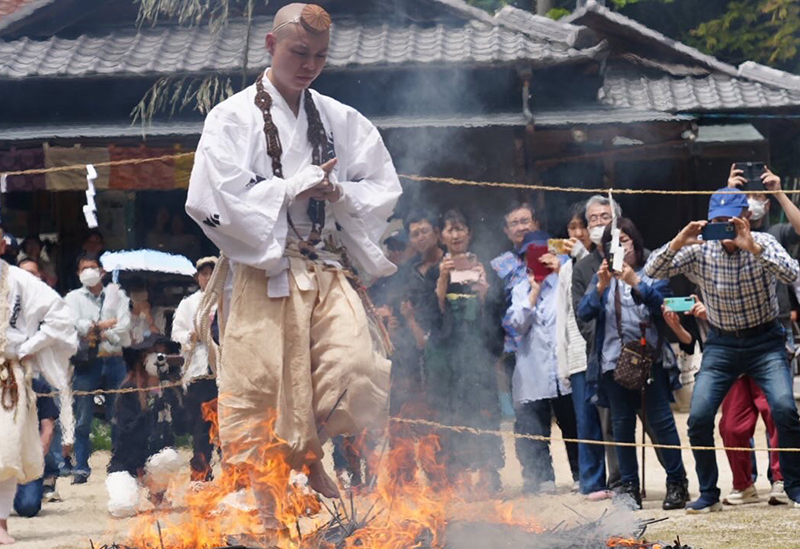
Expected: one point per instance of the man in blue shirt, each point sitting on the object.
(538, 390)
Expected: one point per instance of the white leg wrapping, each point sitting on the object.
(123, 494)
(161, 468)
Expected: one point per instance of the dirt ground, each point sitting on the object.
(82, 516)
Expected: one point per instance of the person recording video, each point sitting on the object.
(461, 353)
(737, 275)
(626, 306)
(745, 402)
(538, 392)
(142, 454)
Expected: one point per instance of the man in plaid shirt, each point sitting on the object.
(737, 279)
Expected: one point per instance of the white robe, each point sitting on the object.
(246, 218)
(40, 326)
(196, 355)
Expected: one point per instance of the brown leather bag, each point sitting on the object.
(636, 359)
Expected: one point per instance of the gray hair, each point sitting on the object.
(600, 200)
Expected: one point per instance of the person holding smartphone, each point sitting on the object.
(626, 305)
(745, 401)
(460, 355)
(737, 278)
(571, 353)
(539, 393)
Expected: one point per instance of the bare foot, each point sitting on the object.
(5, 539)
(319, 480)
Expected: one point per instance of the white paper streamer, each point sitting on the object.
(4, 183)
(616, 250)
(90, 210)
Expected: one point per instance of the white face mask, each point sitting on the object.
(596, 234)
(90, 277)
(757, 208)
(577, 249)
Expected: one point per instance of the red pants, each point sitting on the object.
(740, 410)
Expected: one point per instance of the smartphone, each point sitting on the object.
(609, 256)
(752, 171)
(556, 246)
(463, 266)
(539, 270)
(719, 231)
(679, 304)
(465, 262)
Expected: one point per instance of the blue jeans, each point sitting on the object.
(103, 373)
(764, 359)
(54, 458)
(28, 499)
(591, 457)
(624, 404)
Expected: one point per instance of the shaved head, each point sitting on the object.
(310, 17)
(298, 45)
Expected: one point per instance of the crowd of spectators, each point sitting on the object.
(473, 332)
(543, 331)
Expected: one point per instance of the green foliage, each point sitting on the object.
(170, 95)
(100, 435)
(558, 13)
(767, 31)
(620, 4)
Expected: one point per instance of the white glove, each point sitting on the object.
(305, 179)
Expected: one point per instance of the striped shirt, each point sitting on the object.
(739, 288)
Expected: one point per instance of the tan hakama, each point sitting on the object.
(21, 448)
(295, 356)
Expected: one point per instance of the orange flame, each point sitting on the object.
(409, 507)
(212, 514)
(630, 542)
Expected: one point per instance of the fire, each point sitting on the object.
(408, 506)
(629, 542)
(213, 512)
(209, 411)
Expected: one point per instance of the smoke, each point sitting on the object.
(560, 523)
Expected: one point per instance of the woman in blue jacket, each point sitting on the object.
(623, 304)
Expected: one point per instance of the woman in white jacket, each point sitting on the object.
(571, 354)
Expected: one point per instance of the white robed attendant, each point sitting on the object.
(296, 341)
(194, 352)
(37, 335)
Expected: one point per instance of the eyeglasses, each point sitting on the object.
(421, 232)
(520, 222)
(604, 217)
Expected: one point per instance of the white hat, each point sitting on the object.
(206, 261)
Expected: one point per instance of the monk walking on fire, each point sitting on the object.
(295, 188)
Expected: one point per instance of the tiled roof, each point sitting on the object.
(173, 50)
(543, 119)
(630, 27)
(715, 92)
(768, 75)
(545, 28)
